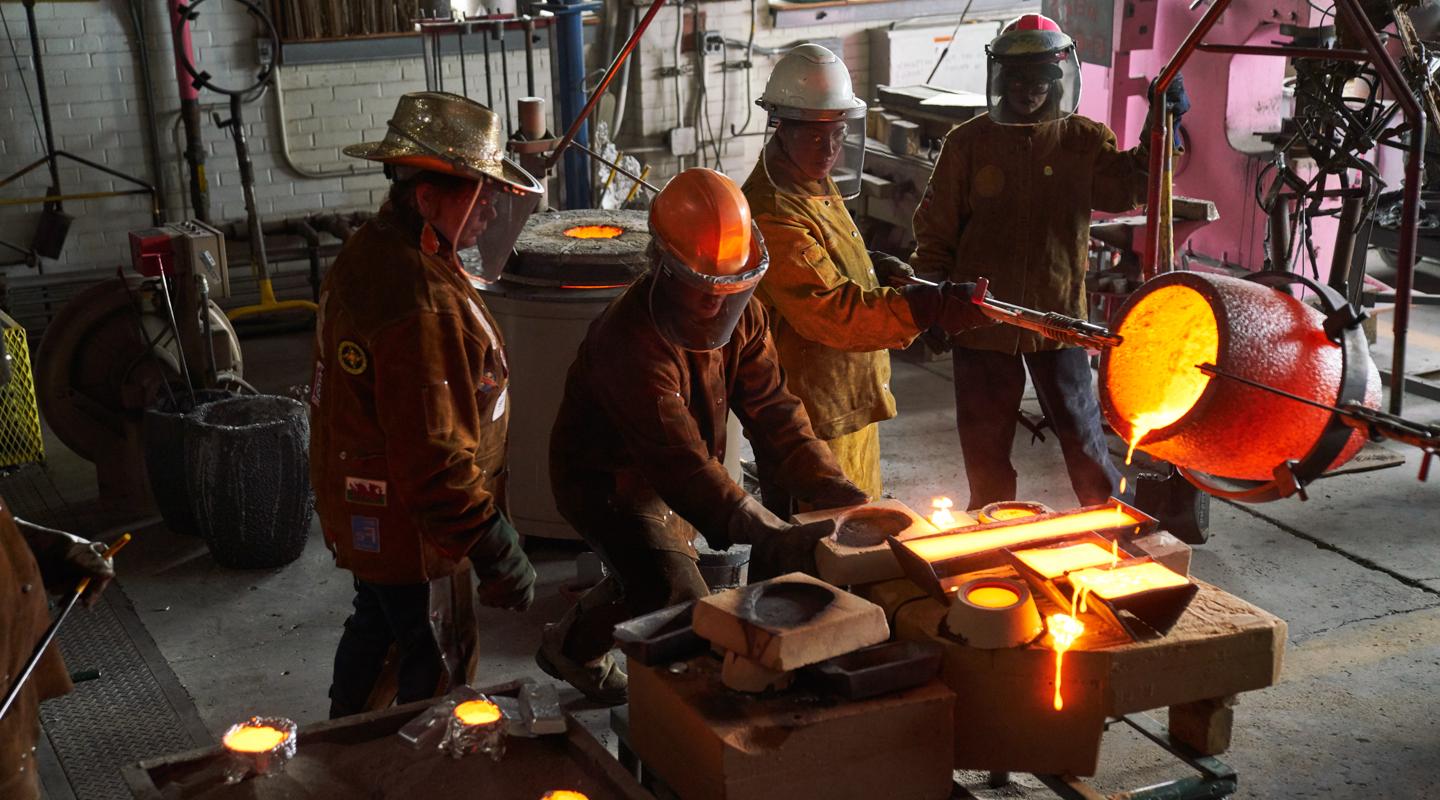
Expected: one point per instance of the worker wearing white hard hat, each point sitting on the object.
(833, 316)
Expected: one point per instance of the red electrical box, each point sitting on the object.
(152, 251)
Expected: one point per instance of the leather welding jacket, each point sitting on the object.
(24, 616)
(831, 320)
(1012, 203)
(408, 409)
(641, 427)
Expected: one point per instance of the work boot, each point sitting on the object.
(601, 680)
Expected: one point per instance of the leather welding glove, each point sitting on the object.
(836, 494)
(507, 578)
(776, 547)
(888, 268)
(958, 312)
(1177, 102)
(65, 559)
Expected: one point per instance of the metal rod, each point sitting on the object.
(489, 80)
(639, 179)
(504, 73)
(44, 98)
(1354, 15)
(1167, 75)
(527, 24)
(1325, 53)
(620, 58)
(460, 45)
(54, 628)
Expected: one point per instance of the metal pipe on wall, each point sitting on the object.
(147, 94)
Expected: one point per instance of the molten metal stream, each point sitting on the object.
(963, 542)
(1064, 630)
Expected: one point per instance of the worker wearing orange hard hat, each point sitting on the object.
(1010, 199)
(833, 317)
(637, 451)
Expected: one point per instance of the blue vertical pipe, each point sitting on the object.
(572, 96)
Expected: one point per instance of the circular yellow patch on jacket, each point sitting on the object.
(352, 357)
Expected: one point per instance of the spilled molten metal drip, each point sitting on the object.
(941, 517)
(254, 739)
(594, 231)
(1064, 630)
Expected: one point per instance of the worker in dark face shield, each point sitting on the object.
(637, 451)
(410, 409)
(1010, 200)
(832, 315)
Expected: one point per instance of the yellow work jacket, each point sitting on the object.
(1012, 203)
(831, 320)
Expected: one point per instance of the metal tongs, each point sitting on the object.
(1376, 425)
(1049, 324)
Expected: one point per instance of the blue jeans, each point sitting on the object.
(988, 388)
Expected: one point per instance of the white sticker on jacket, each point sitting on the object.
(500, 405)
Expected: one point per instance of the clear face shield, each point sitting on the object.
(498, 212)
(1032, 89)
(816, 158)
(696, 311)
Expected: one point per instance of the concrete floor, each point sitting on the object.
(1355, 572)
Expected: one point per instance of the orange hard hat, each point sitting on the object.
(702, 220)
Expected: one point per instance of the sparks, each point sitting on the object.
(941, 518)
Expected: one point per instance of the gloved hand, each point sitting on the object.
(836, 494)
(888, 268)
(1177, 102)
(507, 578)
(65, 559)
(776, 547)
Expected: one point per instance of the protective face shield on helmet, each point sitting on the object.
(816, 158)
(1033, 76)
(697, 311)
(816, 141)
(500, 209)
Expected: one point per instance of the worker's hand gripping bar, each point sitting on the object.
(1059, 327)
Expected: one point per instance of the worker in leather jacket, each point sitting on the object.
(637, 451)
(410, 407)
(1010, 200)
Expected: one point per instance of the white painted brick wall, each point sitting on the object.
(96, 108)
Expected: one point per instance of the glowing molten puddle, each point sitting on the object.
(477, 712)
(1064, 630)
(967, 542)
(993, 596)
(1002, 514)
(600, 232)
(254, 739)
(563, 794)
(1124, 581)
(1151, 379)
(1060, 560)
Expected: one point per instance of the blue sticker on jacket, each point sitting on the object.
(365, 534)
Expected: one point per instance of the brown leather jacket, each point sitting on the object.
(408, 409)
(644, 420)
(1012, 203)
(832, 321)
(24, 616)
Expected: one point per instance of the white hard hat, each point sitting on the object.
(811, 83)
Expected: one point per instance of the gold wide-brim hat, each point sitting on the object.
(443, 132)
